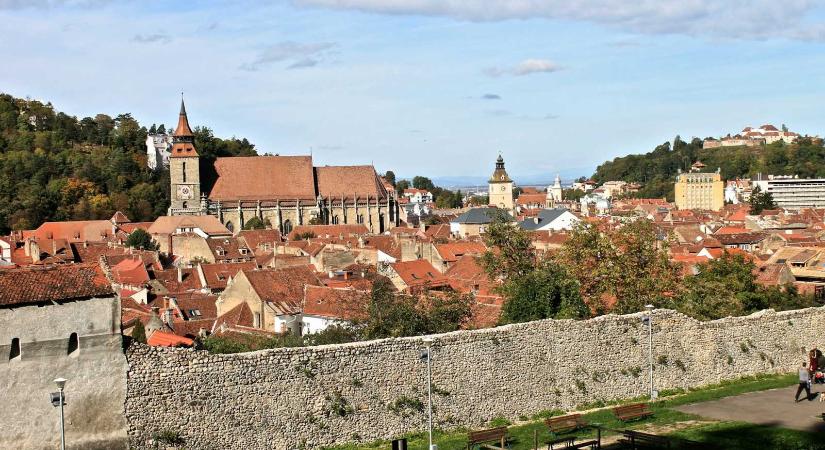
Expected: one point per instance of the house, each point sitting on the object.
(413, 276)
(445, 255)
(61, 321)
(556, 219)
(325, 306)
(5, 252)
(164, 227)
(216, 276)
(474, 222)
(275, 296)
(418, 195)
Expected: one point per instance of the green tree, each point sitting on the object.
(401, 185)
(141, 240)
(254, 223)
(139, 333)
(546, 292)
(510, 252)
(425, 183)
(390, 177)
(761, 201)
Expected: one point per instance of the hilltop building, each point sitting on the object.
(286, 191)
(700, 190)
(753, 137)
(158, 150)
(500, 188)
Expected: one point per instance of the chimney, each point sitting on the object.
(167, 316)
(180, 275)
(331, 275)
(54, 247)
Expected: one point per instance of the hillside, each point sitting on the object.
(56, 167)
(656, 170)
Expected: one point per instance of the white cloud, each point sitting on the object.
(300, 55)
(152, 38)
(526, 67)
(740, 19)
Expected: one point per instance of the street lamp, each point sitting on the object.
(426, 355)
(58, 399)
(649, 320)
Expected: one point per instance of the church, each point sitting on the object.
(285, 191)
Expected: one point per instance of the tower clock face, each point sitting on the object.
(503, 188)
(184, 192)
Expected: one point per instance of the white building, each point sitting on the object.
(158, 149)
(556, 219)
(555, 192)
(418, 195)
(790, 192)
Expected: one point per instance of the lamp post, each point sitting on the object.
(649, 318)
(60, 401)
(428, 355)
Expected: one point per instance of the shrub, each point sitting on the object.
(337, 405)
(168, 437)
(404, 405)
(678, 363)
(500, 422)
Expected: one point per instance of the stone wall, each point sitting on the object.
(309, 397)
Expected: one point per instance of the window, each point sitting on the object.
(335, 220)
(229, 226)
(256, 320)
(195, 312)
(184, 171)
(14, 353)
(185, 205)
(287, 227)
(74, 345)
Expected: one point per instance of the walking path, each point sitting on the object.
(775, 407)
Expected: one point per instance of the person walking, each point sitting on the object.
(804, 378)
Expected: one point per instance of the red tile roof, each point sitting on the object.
(255, 239)
(349, 181)
(55, 283)
(164, 339)
(217, 275)
(75, 230)
(334, 303)
(419, 273)
(251, 178)
(450, 252)
(531, 199)
(284, 288)
(130, 272)
(327, 231)
(169, 224)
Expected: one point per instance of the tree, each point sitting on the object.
(424, 183)
(761, 201)
(141, 240)
(509, 252)
(390, 177)
(139, 333)
(546, 292)
(401, 186)
(254, 223)
(625, 266)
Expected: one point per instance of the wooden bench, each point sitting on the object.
(565, 424)
(632, 412)
(636, 439)
(485, 438)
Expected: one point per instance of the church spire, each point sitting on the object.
(183, 133)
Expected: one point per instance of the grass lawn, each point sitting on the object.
(522, 435)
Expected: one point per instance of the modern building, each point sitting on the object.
(700, 190)
(794, 193)
(500, 188)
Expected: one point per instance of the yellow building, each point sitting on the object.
(700, 190)
(501, 187)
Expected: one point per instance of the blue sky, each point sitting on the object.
(433, 87)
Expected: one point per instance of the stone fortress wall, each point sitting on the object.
(312, 397)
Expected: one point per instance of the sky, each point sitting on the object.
(430, 87)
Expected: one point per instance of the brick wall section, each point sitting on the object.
(280, 398)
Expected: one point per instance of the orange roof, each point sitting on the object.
(169, 224)
(334, 303)
(419, 273)
(130, 271)
(164, 339)
(257, 238)
(120, 218)
(349, 181)
(183, 129)
(283, 287)
(217, 275)
(251, 178)
(528, 199)
(454, 250)
(76, 230)
(55, 283)
(183, 150)
(731, 230)
(326, 231)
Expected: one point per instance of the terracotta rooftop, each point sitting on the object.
(183, 150)
(251, 178)
(164, 339)
(284, 288)
(334, 303)
(208, 224)
(452, 251)
(131, 271)
(56, 283)
(419, 273)
(255, 239)
(75, 231)
(349, 181)
(326, 231)
(217, 275)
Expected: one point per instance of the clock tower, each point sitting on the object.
(184, 172)
(501, 188)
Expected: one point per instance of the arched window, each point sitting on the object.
(230, 227)
(360, 218)
(335, 220)
(74, 345)
(184, 171)
(381, 223)
(287, 227)
(14, 353)
(185, 205)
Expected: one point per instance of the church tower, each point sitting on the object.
(501, 187)
(184, 172)
(554, 193)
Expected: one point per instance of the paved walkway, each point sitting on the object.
(775, 407)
